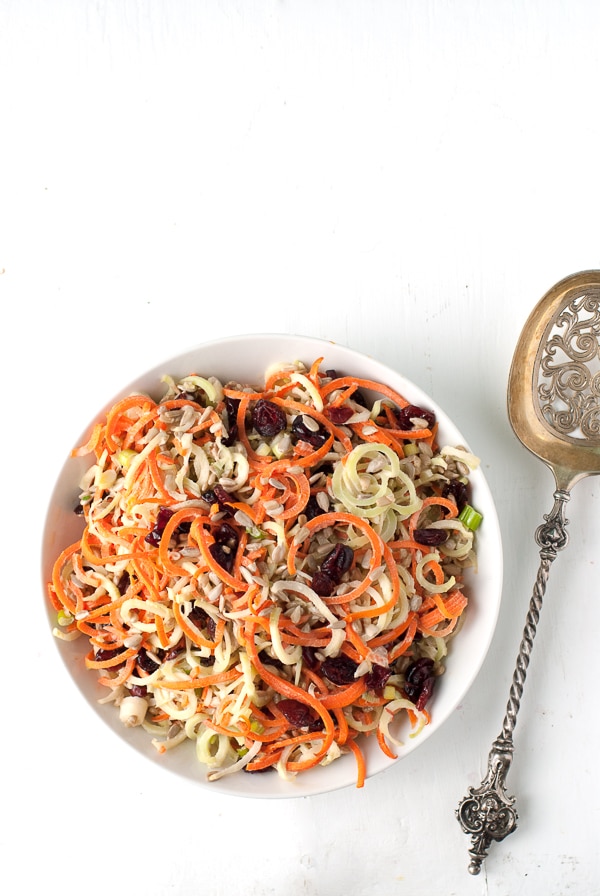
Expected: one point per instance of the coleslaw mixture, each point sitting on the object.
(272, 573)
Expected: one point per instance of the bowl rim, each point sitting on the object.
(341, 773)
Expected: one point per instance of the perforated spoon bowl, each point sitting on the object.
(554, 410)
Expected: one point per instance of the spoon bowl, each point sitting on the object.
(554, 381)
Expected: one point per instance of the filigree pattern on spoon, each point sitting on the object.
(554, 409)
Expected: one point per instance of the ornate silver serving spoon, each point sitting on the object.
(554, 410)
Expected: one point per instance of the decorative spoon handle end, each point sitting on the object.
(487, 813)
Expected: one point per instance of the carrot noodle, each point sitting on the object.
(272, 573)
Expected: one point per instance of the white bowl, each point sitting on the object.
(245, 359)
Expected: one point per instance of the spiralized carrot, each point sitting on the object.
(261, 585)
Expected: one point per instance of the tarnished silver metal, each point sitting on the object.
(487, 813)
(568, 371)
(554, 409)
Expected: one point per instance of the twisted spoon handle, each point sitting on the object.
(487, 813)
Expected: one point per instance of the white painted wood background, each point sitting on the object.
(405, 177)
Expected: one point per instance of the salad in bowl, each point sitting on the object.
(271, 573)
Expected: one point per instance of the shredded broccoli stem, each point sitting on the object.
(264, 588)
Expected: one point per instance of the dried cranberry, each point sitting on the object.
(426, 692)
(326, 468)
(360, 399)
(317, 724)
(223, 555)
(209, 496)
(226, 534)
(377, 677)
(218, 495)
(231, 406)
(198, 616)
(312, 508)
(419, 681)
(107, 653)
(333, 567)
(138, 690)
(298, 714)
(419, 670)
(309, 657)
(457, 490)
(223, 497)
(153, 538)
(339, 669)
(337, 562)
(430, 537)
(78, 509)
(405, 416)
(340, 415)
(173, 652)
(211, 628)
(315, 438)
(201, 619)
(162, 518)
(323, 584)
(267, 418)
(146, 662)
(124, 580)
(207, 660)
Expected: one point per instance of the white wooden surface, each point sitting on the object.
(405, 177)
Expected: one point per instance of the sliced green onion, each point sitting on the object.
(212, 390)
(125, 457)
(64, 618)
(370, 698)
(410, 448)
(281, 444)
(254, 532)
(470, 517)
